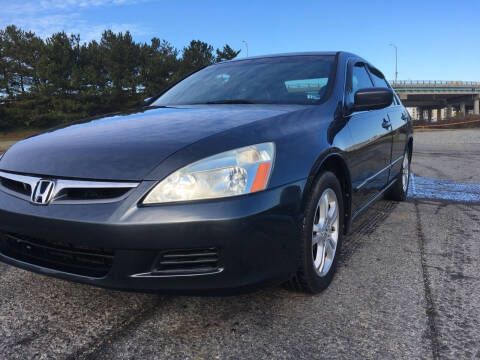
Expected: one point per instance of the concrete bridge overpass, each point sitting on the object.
(445, 98)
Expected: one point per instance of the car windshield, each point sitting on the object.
(301, 79)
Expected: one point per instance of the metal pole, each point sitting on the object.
(246, 46)
(396, 61)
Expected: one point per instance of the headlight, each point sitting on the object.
(236, 172)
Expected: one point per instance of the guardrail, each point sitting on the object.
(434, 83)
(451, 124)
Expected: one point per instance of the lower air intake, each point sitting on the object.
(58, 255)
(188, 262)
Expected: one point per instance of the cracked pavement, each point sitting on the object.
(408, 286)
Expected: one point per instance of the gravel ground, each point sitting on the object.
(407, 287)
(448, 154)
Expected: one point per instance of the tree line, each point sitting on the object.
(45, 82)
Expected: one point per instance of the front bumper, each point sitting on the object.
(256, 237)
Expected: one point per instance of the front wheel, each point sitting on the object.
(321, 236)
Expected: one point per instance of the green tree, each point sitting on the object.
(159, 63)
(196, 56)
(57, 63)
(227, 53)
(4, 74)
(121, 60)
(94, 70)
(60, 79)
(19, 52)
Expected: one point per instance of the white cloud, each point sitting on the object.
(69, 4)
(46, 17)
(95, 32)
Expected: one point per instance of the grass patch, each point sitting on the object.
(18, 134)
(4, 145)
(9, 138)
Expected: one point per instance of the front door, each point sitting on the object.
(398, 117)
(369, 159)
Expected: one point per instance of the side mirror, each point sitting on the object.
(147, 101)
(372, 99)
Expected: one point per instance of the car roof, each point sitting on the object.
(343, 54)
(331, 53)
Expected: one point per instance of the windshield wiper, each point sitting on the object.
(157, 106)
(232, 101)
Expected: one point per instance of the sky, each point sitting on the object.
(436, 40)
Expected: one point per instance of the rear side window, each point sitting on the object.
(359, 80)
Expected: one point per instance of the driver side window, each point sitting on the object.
(359, 80)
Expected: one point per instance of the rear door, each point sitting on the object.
(398, 117)
(370, 157)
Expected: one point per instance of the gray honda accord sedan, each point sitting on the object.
(247, 173)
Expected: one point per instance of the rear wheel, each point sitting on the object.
(399, 190)
(321, 236)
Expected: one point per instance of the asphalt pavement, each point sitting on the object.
(408, 286)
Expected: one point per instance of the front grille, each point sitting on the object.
(65, 190)
(86, 194)
(188, 262)
(58, 255)
(16, 186)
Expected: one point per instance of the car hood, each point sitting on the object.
(127, 146)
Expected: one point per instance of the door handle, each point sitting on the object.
(386, 124)
(404, 117)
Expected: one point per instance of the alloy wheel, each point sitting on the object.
(325, 232)
(405, 172)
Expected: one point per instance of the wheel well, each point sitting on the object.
(335, 164)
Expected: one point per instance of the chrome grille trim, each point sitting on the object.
(63, 184)
(28, 180)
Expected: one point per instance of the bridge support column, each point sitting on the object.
(476, 106)
(420, 113)
(462, 108)
(449, 111)
(429, 115)
(439, 114)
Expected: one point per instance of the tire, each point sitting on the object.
(319, 257)
(399, 190)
